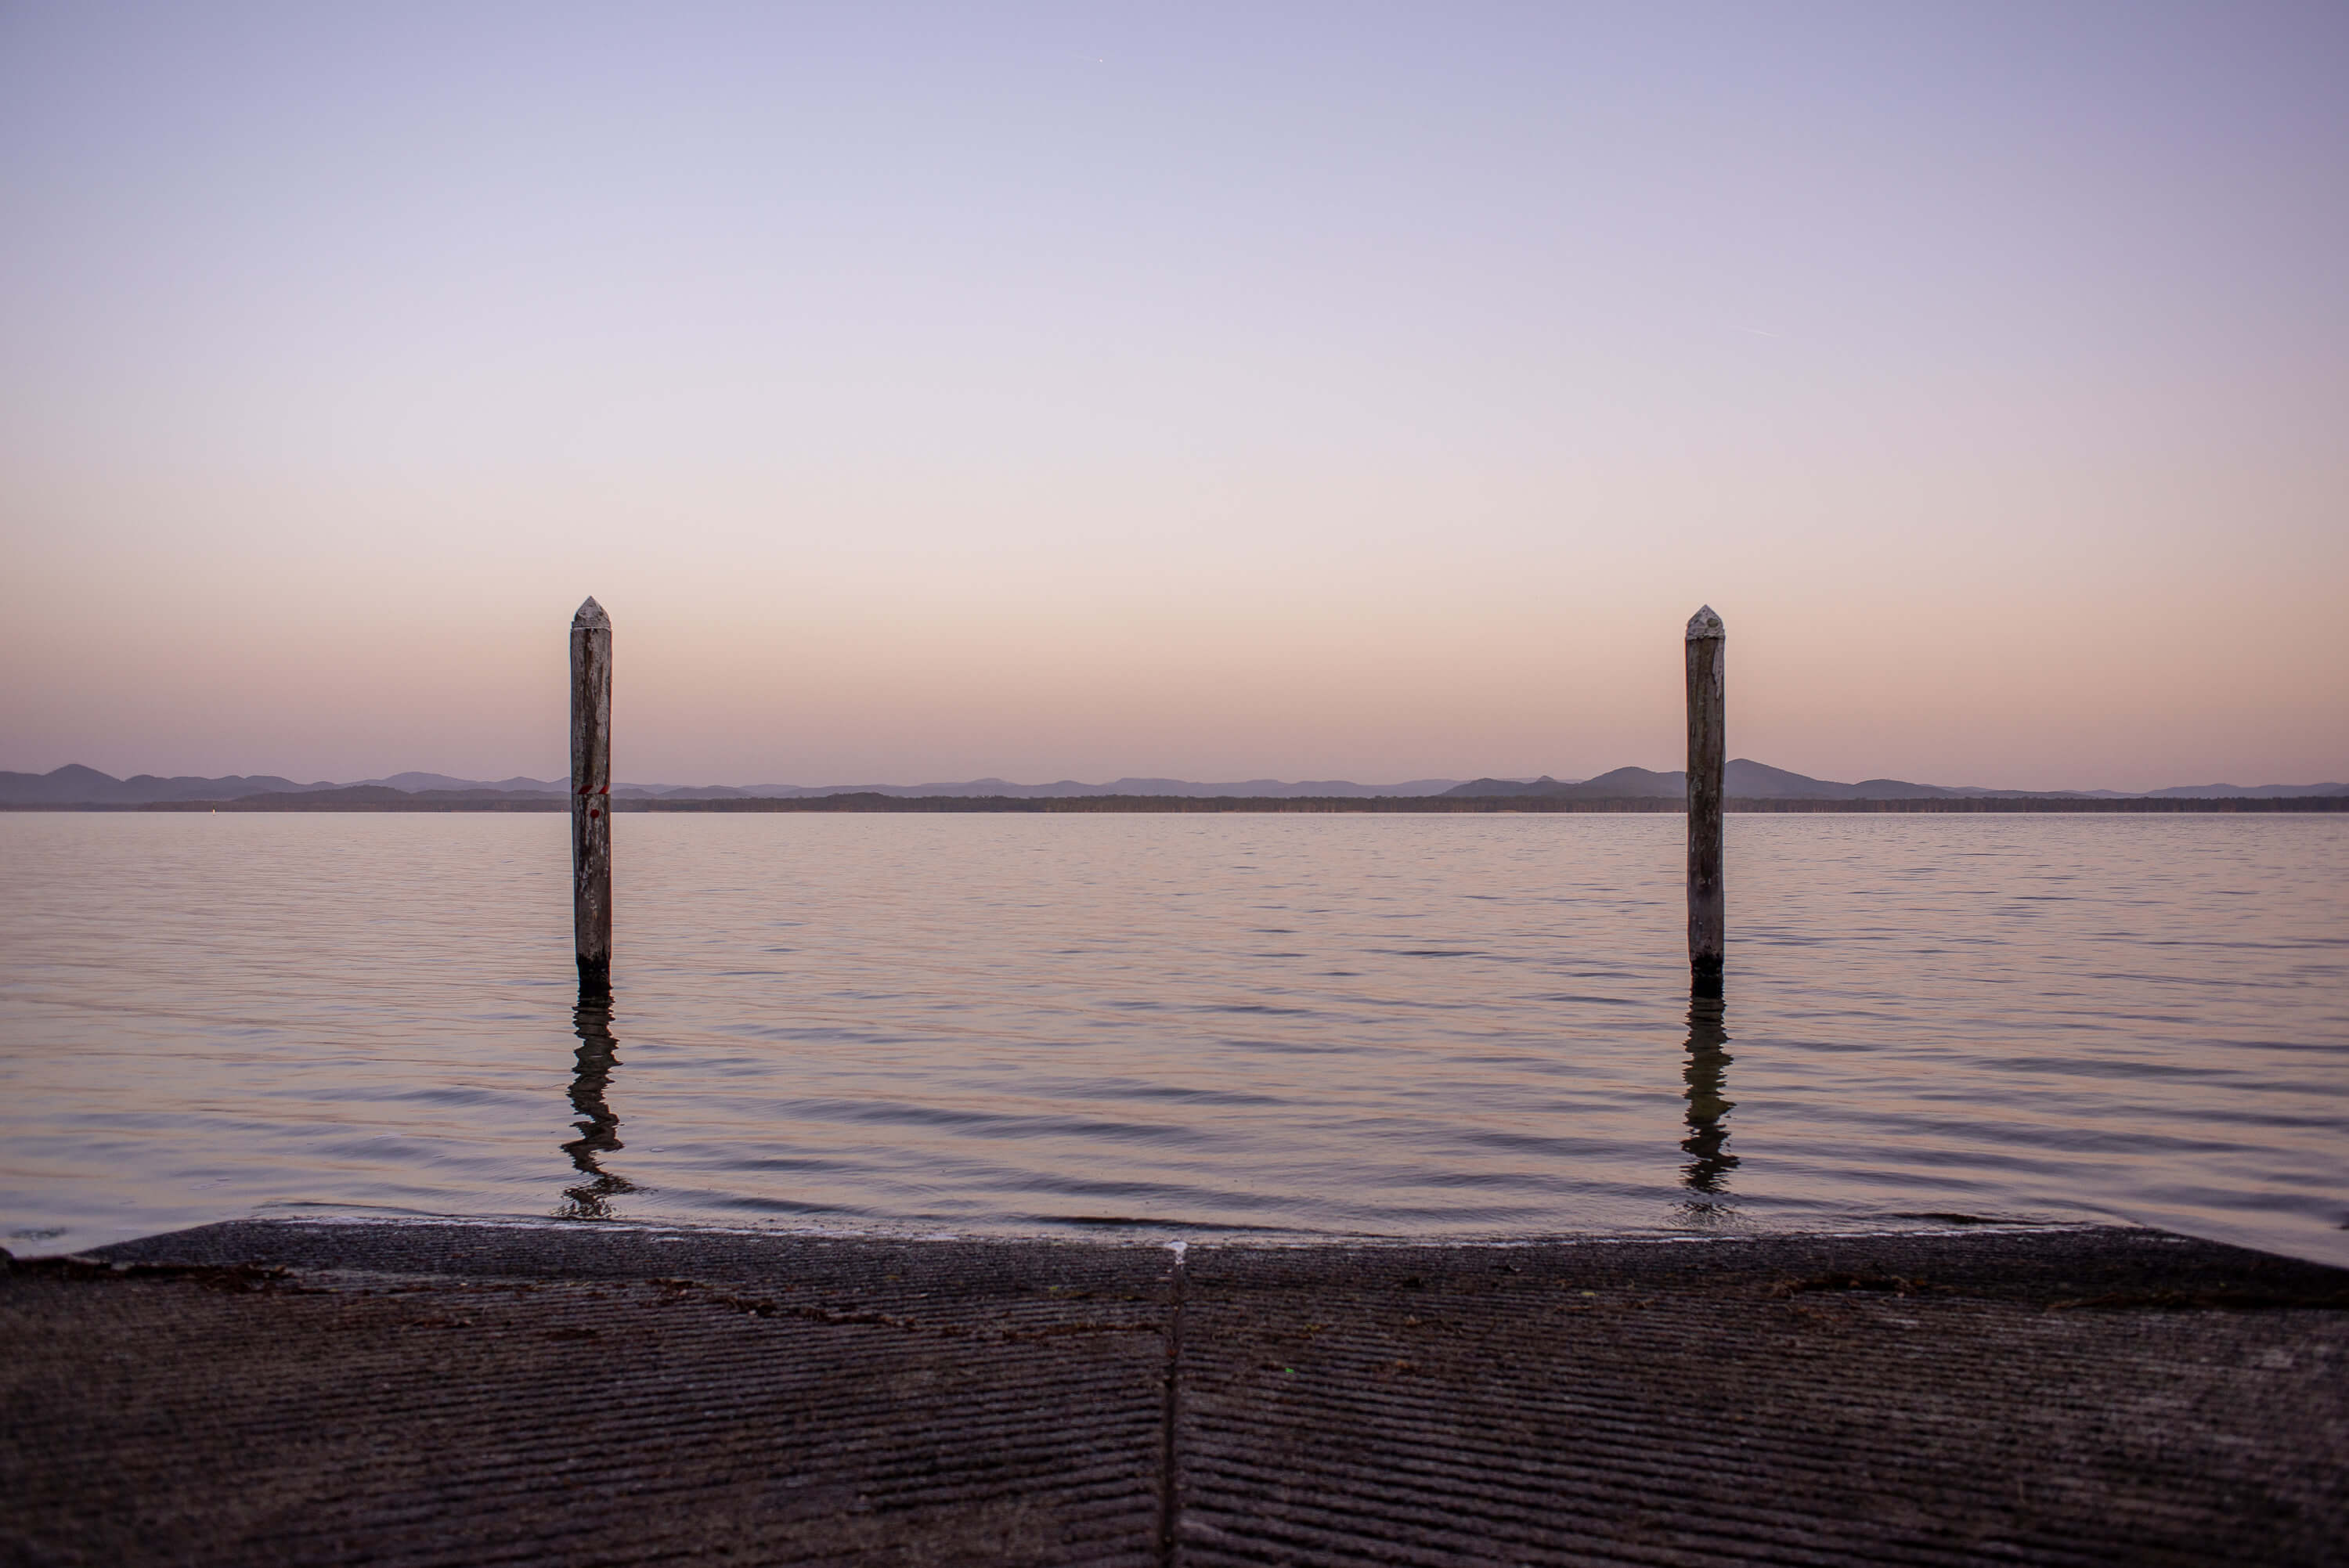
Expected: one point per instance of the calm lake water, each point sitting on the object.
(1391, 1025)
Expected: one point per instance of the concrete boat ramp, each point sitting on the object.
(466, 1394)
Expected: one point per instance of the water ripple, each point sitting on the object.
(1469, 1025)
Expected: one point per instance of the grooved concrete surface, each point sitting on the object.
(413, 1393)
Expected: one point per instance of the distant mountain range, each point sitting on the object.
(75, 785)
(1748, 781)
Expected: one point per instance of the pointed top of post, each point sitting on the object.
(591, 614)
(1702, 625)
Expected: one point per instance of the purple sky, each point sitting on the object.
(1335, 391)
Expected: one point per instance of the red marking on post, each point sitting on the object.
(592, 815)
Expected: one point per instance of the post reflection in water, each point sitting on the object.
(599, 1132)
(1710, 1161)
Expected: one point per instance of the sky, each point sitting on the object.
(1307, 391)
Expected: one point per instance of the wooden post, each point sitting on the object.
(1708, 751)
(591, 797)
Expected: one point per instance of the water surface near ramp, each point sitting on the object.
(1423, 1027)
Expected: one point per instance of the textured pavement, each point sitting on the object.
(414, 1394)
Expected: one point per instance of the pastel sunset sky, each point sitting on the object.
(1296, 390)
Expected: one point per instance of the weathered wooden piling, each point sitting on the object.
(1708, 751)
(591, 796)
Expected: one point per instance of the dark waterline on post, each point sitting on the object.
(591, 798)
(1708, 752)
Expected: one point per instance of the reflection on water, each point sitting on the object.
(1710, 1161)
(599, 1133)
(1380, 1025)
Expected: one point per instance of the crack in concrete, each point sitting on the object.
(1169, 1490)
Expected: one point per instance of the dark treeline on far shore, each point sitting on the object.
(377, 798)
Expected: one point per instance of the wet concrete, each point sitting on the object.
(413, 1393)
